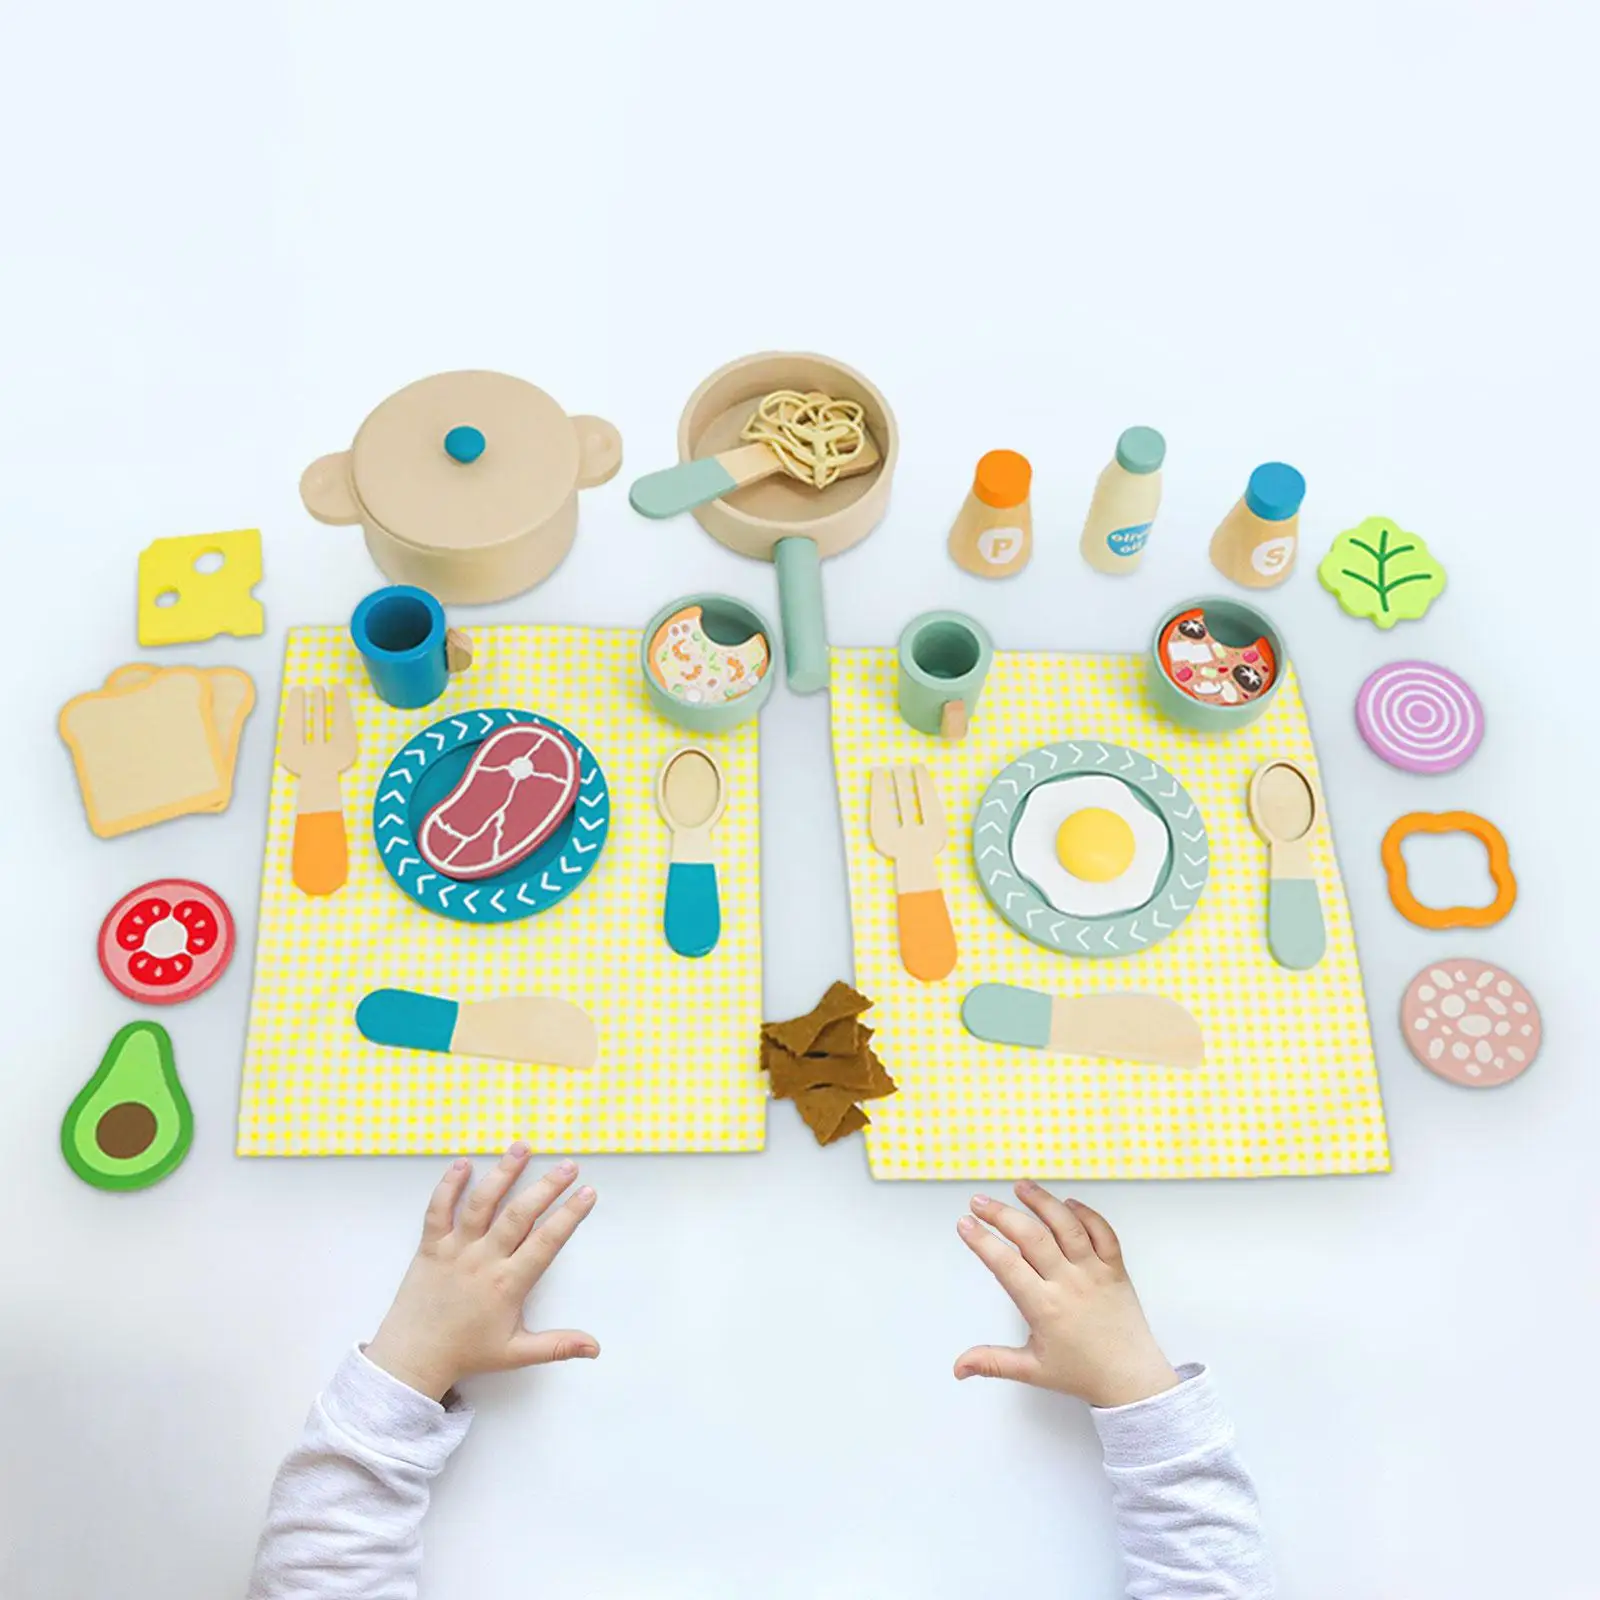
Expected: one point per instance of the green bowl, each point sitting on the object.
(1235, 624)
(725, 621)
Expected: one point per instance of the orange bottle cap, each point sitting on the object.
(1003, 479)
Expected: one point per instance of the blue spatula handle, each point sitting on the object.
(406, 1020)
(693, 916)
(677, 489)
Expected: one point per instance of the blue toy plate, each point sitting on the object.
(428, 767)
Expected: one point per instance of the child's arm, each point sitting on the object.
(346, 1512)
(1186, 1510)
(347, 1506)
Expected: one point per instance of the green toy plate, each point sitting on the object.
(1016, 899)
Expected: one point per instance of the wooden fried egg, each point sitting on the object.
(1090, 846)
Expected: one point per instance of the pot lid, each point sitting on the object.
(465, 460)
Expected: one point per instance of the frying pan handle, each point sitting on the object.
(805, 635)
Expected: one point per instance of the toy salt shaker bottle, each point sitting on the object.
(1260, 538)
(993, 535)
(1125, 502)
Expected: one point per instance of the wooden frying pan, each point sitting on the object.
(778, 518)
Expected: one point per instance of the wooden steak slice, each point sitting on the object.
(515, 792)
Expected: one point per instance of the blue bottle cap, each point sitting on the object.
(464, 445)
(1275, 491)
(1141, 450)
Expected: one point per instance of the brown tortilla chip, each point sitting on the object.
(824, 1062)
(800, 1033)
(879, 1082)
(840, 1038)
(825, 1110)
(789, 1075)
(851, 1122)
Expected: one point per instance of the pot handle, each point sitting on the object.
(327, 490)
(805, 637)
(599, 450)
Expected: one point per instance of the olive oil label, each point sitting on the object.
(1128, 541)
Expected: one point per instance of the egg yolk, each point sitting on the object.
(1095, 844)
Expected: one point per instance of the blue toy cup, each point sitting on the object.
(405, 644)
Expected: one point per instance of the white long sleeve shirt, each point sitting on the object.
(345, 1518)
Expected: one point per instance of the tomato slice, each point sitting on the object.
(199, 923)
(166, 941)
(138, 919)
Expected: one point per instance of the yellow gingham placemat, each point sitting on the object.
(1290, 1083)
(678, 1063)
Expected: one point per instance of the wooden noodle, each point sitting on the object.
(814, 435)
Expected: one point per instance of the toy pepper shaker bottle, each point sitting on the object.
(993, 535)
(1260, 538)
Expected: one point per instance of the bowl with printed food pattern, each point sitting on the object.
(1215, 663)
(707, 662)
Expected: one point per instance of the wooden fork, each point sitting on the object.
(907, 825)
(317, 751)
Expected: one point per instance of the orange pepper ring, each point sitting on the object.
(1492, 840)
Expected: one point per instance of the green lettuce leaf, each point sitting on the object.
(1379, 570)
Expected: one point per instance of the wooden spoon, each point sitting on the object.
(690, 796)
(692, 483)
(1285, 808)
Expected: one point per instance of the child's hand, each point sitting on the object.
(1086, 1330)
(459, 1309)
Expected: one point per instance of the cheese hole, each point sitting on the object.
(208, 561)
(167, 597)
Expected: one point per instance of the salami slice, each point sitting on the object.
(513, 796)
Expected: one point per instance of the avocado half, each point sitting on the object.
(130, 1124)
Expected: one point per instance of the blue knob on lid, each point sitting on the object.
(464, 444)
(1275, 491)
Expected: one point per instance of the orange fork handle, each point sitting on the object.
(927, 941)
(319, 860)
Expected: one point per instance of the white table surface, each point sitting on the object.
(1352, 236)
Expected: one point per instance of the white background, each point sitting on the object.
(1357, 237)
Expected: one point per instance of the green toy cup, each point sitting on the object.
(944, 658)
(710, 644)
(1236, 625)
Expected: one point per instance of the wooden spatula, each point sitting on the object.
(1125, 1027)
(514, 1027)
(692, 483)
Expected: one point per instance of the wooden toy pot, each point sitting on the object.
(781, 519)
(465, 484)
